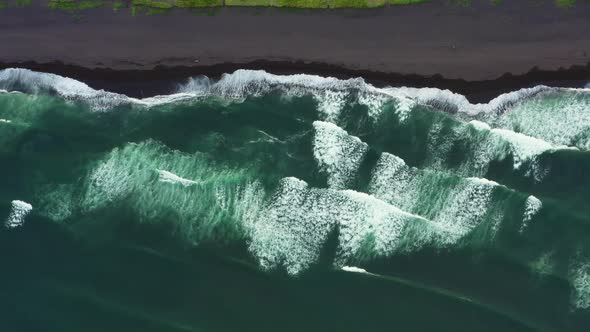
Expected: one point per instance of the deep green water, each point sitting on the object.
(292, 203)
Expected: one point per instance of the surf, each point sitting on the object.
(299, 174)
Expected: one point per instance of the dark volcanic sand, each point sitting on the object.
(480, 42)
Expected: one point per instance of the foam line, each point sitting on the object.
(18, 212)
(523, 110)
(580, 276)
(354, 269)
(338, 154)
(532, 206)
(458, 207)
(168, 177)
(295, 224)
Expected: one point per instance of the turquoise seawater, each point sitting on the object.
(260, 202)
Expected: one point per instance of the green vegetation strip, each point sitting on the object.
(163, 6)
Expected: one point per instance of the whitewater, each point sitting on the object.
(295, 176)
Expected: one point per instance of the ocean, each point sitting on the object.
(261, 202)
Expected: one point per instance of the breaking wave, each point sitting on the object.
(294, 169)
(18, 212)
(556, 115)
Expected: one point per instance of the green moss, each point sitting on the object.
(68, 5)
(356, 3)
(23, 3)
(248, 3)
(198, 3)
(160, 5)
(90, 4)
(141, 2)
(152, 7)
(117, 5)
(72, 5)
(565, 3)
(302, 3)
(320, 3)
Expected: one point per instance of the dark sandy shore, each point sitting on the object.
(477, 43)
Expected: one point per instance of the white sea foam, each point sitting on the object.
(523, 148)
(561, 117)
(330, 104)
(108, 182)
(242, 83)
(165, 176)
(295, 225)
(5, 121)
(248, 202)
(457, 208)
(331, 93)
(373, 101)
(288, 230)
(481, 147)
(439, 146)
(18, 212)
(354, 269)
(391, 229)
(244, 202)
(34, 82)
(292, 228)
(480, 125)
(455, 205)
(526, 110)
(484, 145)
(404, 107)
(394, 182)
(209, 202)
(457, 102)
(532, 206)
(580, 277)
(56, 201)
(337, 153)
(467, 206)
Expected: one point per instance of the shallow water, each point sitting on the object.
(263, 202)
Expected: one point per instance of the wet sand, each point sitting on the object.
(477, 43)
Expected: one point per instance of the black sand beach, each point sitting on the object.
(400, 45)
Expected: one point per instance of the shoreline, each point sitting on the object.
(479, 42)
(162, 80)
(468, 50)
